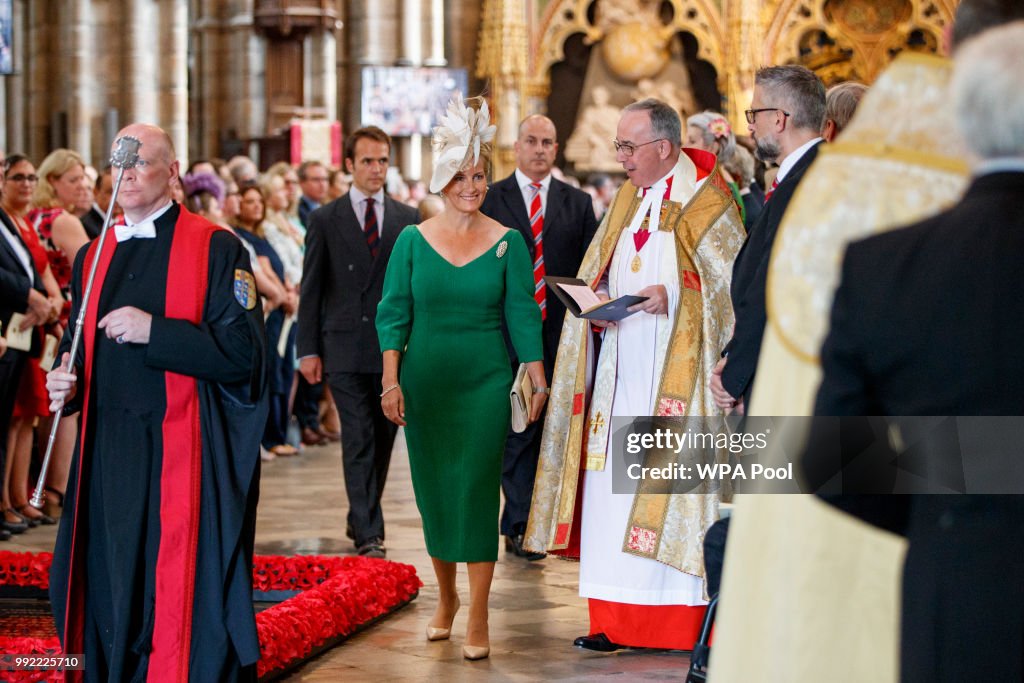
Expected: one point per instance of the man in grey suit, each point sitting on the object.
(348, 244)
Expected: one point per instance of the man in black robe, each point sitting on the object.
(153, 562)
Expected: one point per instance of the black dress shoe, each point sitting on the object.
(373, 548)
(514, 544)
(5, 535)
(598, 642)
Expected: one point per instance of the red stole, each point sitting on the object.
(187, 275)
(704, 161)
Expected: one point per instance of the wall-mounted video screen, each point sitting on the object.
(6, 17)
(406, 100)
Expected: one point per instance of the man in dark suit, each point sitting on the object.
(563, 216)
(92, 220)
(785, 117)
(306, 406)
(313, 181)
(925, 323)
(348, 244)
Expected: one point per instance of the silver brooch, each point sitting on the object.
(502, 248)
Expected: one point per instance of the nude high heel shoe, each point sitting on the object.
(438, 633)
(473, 652)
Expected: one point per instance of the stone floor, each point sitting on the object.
(535, 609)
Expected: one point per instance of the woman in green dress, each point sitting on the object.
(447, 374)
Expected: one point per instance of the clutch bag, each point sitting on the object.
(521, 397)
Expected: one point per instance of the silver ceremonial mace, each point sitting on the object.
(124, 156)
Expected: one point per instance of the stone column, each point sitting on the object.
(462, 26)
(172, 76)
(412, 21)
(15, 94)
(43, 78)
(379, 32)
(242, 81)
(321, 56)
(373, 34)
(141, 60)
(76, 59)
(434, 34)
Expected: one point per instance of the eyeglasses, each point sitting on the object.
(628, 148)
(21, 177)
(752, 113)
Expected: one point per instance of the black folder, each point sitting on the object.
(614, 309)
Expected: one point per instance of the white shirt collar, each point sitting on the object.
(151, 218)
(659, 184)
(650, 204)
(1002, 165)
(358, 197)
(790, 161)
(524, 182)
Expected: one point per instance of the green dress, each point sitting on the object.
(456, 376)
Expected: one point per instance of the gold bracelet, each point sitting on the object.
(389, 389)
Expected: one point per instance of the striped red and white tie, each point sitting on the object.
(771, 190)
(537, 227)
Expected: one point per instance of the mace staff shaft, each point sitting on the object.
(124, 156)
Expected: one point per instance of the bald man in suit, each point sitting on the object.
(564, 218)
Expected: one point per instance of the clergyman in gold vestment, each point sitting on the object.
(641, 556)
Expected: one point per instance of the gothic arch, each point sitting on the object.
(868, 49)
(563, 18)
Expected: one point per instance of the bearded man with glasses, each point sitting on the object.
(785, 119)
(670, 234)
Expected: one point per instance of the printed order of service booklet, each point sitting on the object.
(582, 301)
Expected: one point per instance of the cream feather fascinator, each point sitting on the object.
(457, 139)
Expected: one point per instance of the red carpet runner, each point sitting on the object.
(338, 596)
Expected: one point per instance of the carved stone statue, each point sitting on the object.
(590, 146)
(666, 91)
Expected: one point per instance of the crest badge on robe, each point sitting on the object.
(245, 289)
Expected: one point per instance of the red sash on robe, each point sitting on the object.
(187, 275)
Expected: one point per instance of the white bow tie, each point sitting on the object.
(145, 230)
